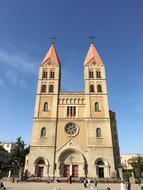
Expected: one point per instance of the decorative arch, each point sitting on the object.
(98, 74)
(43, 88)
(99, 88)
(72, 162)
(102, 168)
(52, 74)
(43, 132)
(98, 132)
(91, 88)
(45, 74)
(51, 88)
(39, 167)
(45, 107)
(96, 106)
(91, 74)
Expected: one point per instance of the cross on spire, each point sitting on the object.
(52, 38)
(91, 39)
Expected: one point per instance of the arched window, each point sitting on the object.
(97, 107)
(45, 74)
(39, 167)
(51, 88)
(98, 132)
(43, 88)
(91, 74)
(91, 88)
(52, 74)
(98, 74)
(99, 88)
(45, 108)
(43, 132)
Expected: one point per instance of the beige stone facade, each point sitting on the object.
(73, 132)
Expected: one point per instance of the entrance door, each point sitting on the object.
(66, 170)
(40, 171)
(75, 170)
(101, 172)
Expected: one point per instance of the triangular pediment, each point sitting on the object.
(49, 63)
(69, 144)
(52, 56)
(92, 56)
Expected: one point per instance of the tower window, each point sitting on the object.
(98, 74)
(45, 74)
(99, 88)
(43, 88)
(91, 74)
(43, 132)
(45, 108)
(91, 88)
(98, 132)
(52, 74)
(97, 107)
(71, 111)
(51, 88)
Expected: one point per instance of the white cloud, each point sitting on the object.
(20, 62)
(1, 83)
(12, 77)
(22, 83)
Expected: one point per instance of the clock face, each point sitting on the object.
(71, 129)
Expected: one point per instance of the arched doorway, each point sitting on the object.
(100, 167)
(71, 163)
(39, 167)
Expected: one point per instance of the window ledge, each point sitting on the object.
(99, 137)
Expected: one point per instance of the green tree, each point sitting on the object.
(16, 159)
(137, 165)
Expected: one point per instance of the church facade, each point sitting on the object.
(74, 133)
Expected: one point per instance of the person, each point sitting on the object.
(88, 182)
(95, 183)
(2, 187)
(13, 179)
(85, 182)
(128, 185)
(17, 180)
(122, 185)
(108, 188)
(69, 179)
(139, 181)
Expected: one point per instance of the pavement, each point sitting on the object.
(63, 186)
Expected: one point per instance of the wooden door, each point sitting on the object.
(40, 171)
(66, 170)
(75, 170)
(101, 172)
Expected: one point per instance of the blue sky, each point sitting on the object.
(25, 28)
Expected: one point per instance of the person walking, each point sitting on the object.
(85, 182)
(128, 185)
(122, 186)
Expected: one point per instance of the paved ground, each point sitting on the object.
(62, 186)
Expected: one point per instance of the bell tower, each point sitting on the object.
(95, 83)
(46, 115)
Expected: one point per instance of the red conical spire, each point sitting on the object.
(52, 54)
(92, 53)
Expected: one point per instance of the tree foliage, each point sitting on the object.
(137, 165)
(16, 159)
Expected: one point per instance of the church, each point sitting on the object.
(74, 133)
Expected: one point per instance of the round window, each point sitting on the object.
(71, 129)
